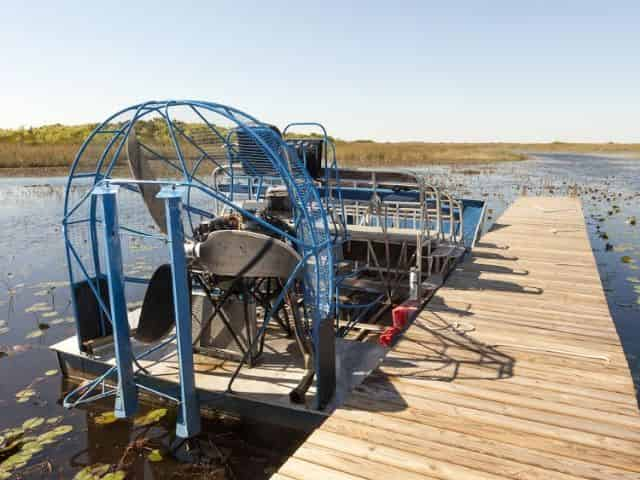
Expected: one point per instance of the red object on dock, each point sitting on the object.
(401, 315)
(386, 337)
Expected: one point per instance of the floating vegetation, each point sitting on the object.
(17, 449)
(51, 373)
(38, 307)
(151, 417)
(99, 471)
(52, 285)
(25, 395)
(54, 420)
(92, 471)
(626, 259)
(32, 423)
(34, 334)
(631, 220)
(105, 418)
(154, 455)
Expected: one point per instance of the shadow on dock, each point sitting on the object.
(434, 351)
(440, 351)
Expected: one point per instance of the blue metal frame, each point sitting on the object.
(126, 398)
(313, 239)
(188, 423)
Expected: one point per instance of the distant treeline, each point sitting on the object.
(55, 147)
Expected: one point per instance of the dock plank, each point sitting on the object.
(513, 370)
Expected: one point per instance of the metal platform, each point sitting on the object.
(263, 388)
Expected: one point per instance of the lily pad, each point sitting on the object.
(38, 307)
(32, 423)
(53, 420)
(34, 334)
(32, 447)
(27, 446)
(24, 395)
(105, 418)
(92, 472)
(151, 417)
(52, 435)
(117, 475)
(154, 456)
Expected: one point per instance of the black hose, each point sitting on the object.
(297, 395)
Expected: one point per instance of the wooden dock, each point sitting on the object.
(513, 370)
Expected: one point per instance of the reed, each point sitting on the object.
(52, 148)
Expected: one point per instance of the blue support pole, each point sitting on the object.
(188, 424)
(127, 395)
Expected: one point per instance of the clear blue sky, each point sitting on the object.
(392, 70)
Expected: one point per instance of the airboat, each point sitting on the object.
(273, 281)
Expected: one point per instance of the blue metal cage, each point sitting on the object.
(114, 208)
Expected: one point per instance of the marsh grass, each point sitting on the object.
(410, 154)
(50, 150)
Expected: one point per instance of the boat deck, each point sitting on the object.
(513, 370)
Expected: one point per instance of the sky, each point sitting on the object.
(385, 70)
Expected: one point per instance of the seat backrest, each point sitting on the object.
(242, 253)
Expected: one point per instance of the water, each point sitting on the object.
(35, 312)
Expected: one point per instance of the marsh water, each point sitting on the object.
(35, 312)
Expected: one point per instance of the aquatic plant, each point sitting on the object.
(17, 448)
(151, 417)
(99, 471)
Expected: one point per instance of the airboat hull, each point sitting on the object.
(261, 392)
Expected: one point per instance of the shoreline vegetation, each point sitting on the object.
(49, 150)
